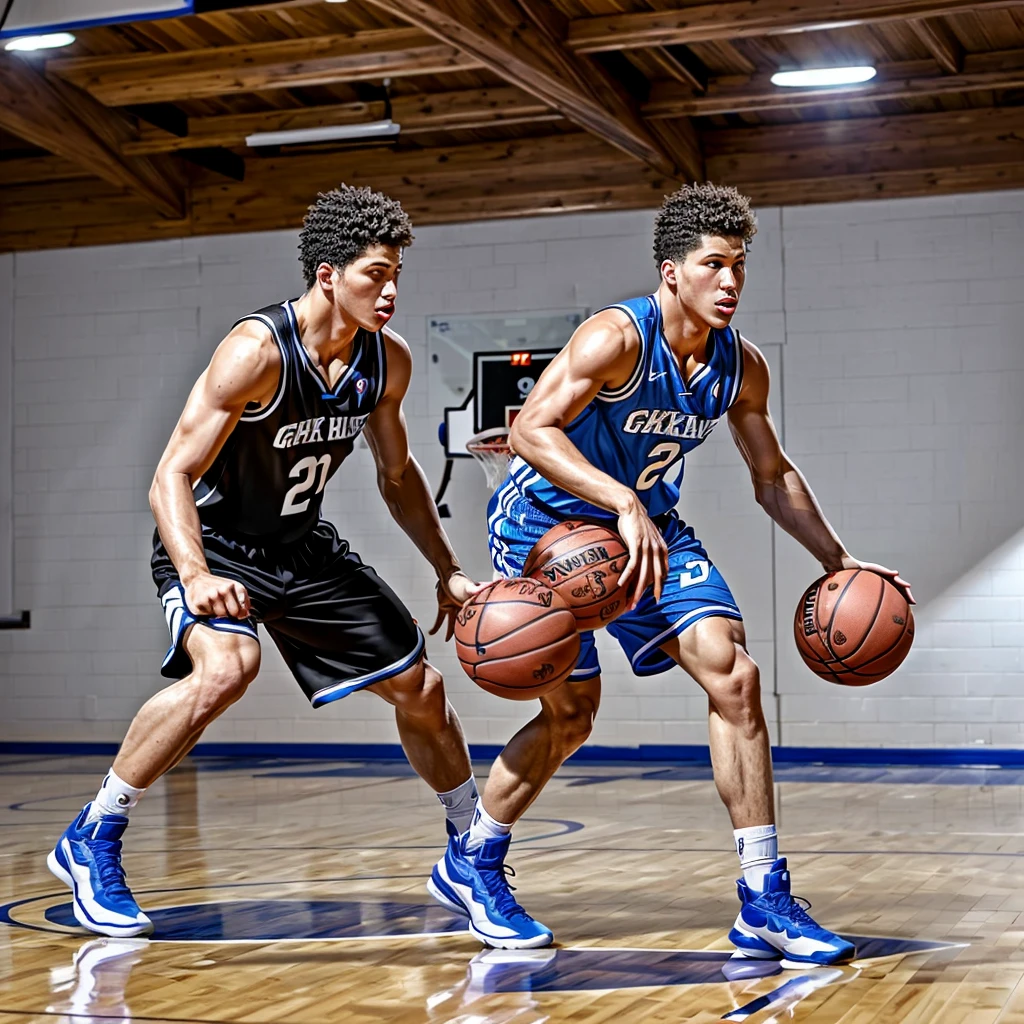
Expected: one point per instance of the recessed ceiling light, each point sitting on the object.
(823, 76)
(326, 133)
(51, 41)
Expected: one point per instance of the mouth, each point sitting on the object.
(386, 313)
(726, 307)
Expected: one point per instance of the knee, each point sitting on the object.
(422, 696)
(223, 677)
(573, 724)
(737, 694)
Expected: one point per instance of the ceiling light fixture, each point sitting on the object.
(50, 41)
(326, 133)
(823, 76)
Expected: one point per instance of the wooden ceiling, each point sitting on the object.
(507, 108)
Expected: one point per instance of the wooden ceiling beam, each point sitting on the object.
(676, 63)
(906, 80)
(941, 43)
(865, 132)
(887, 185)
(424, 112)
(519, 40)
(69, 124)
(34, 169)
(733, 19)
(136, 78)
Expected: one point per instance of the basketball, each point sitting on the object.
(517, 639)
(582, 563)
(853, 627)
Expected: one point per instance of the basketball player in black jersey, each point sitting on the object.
(240, 541)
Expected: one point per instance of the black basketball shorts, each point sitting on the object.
(338, 625)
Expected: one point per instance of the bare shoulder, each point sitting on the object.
(396, 346)
(607, 342)
(756, 377)
(246, 365)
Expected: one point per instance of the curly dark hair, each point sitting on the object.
(697, 210)
(343, 223)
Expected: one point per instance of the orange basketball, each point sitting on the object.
(582, 563)
(853, 627)
(517, 639)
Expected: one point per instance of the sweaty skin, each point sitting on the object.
(696, 294)
(244, 372)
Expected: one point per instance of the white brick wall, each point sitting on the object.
(893, 335)
(6, 434)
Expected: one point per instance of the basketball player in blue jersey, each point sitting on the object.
(240, 541)
(604, 435)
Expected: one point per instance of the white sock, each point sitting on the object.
(115, 797)
(459, 804)
(758, 848)
(485, 827)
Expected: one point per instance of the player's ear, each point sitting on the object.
(325, 277)
(668, 272)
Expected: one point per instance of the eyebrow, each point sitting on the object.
(722, 256)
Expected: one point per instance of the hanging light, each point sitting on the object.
(823, 76)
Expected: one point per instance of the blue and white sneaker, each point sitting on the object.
(475, 884)
(435, 884)
(773, 924)
(87, 858)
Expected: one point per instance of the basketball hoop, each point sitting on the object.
(490, 448)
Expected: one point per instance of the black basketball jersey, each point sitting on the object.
(268, 480)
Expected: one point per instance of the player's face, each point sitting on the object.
(365, 290)
(709, 281)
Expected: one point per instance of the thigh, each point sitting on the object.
(343, 628)
(694, 590)
(225, 557)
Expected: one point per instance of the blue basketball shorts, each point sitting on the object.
(693, 590)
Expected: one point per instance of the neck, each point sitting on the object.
(685, 333)
(326, 332)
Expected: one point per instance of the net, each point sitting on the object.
(490, 448)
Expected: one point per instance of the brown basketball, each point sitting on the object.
(853, 627)
(517, 639)
(582, 563)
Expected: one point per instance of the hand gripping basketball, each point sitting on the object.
(853, 627)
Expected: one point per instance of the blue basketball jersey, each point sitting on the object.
(641, 432)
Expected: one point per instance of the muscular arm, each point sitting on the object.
(244, 369)
(399, 476)
(779, 486)
(602, 352)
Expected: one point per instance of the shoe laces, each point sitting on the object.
(497, 884)
(793, 907)
(107, 855)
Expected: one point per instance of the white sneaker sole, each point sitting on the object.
(455, 908)
(113, 931)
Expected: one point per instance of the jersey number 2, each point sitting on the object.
(306, 472)
(664, 455)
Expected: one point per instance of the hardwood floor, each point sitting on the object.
(292, 893)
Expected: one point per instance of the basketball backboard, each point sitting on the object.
(483, 367)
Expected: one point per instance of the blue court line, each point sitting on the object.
(974, 757)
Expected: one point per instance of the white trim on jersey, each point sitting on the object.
(698, 376)
(730, 611)
(381, 367)
(259, 414)
(738, 372)
(641, 363)
(338, 690)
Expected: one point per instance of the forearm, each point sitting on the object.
(789, 501)
(550, 452)
(412, 506)
(174, 509)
